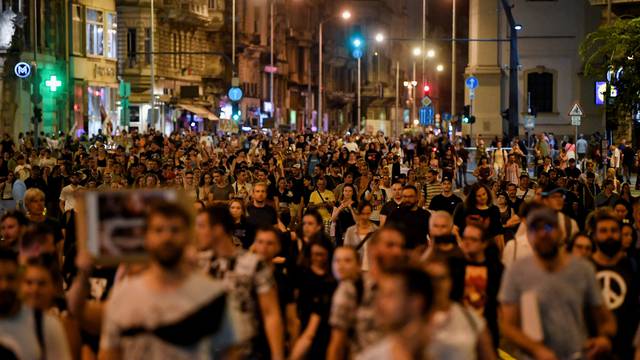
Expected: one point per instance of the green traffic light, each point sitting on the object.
(357, 42)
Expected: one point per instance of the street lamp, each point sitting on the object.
(416, 52)
(431, 53)
(379, 37)
(518, 27)
(346, 15)
(439, 68)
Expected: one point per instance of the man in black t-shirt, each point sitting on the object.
(446, 200)
(411, 220)
(260, 213)
(392, 204)
(617, 279)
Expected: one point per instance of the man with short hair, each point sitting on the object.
(353, 314)
(581, 147)
(412, 220)
(221, 189)
(476, 281)
(68, 193)
(523, 192)
(432, 187)
(251, 281)
(322, 199)
(572, 170)
(393, 204)
(617, 276)
(607, 197)
(553, 290)
(26, 333)
(554, 199)
(35, 179)
(260, 213)
(241, 183)
(443, 244)
(170, 301)
(446, 200)
(12, 224)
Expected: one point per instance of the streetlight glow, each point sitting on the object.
(431, 53)
(440, 67)
(346, 14)
(416, 51)
(518, 27)
(379, 37)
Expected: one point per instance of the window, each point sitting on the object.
(175, 50)
(132, 46)
(540, 89)
(213, 4)
(112, 28)
(95, 32)
(147, 46)
(77, 29)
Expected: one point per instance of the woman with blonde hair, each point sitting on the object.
(34, 201)
(611, 175)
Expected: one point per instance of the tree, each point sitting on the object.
(615, 48)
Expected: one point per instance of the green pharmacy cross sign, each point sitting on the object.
(53, 83)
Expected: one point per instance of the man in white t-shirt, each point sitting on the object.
(68, 193)
(26, 333)
(169, 311)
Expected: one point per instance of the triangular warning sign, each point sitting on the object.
(576, 110)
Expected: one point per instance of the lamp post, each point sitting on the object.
(453, 57)
(416, 52)
(271, 31)
(152, 72)
(346, 15)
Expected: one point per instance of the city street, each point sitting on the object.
(319, 179)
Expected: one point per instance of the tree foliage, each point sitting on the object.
(612, 47)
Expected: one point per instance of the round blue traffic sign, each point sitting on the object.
(235, 94)
(22, 70)
(357, 53)
(471, 82)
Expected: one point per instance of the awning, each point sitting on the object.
(198, 110)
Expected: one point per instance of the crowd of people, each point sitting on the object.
(325, 246)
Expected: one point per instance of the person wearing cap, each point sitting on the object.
(446, 200)
(554, 199)
(544, 297)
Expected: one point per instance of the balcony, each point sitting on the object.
(195, 12)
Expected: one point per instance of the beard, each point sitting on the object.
(167, 255)
(8, 300)
(610, 247)
(548, 253)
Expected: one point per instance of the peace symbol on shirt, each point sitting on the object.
(614, 288)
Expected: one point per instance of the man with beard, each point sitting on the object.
(25, 333)
(168, 311)
(544, 297)
(68, 193)
(251, 282)
(410, 219)
(616, 274)
(393, 204)
(353, 314)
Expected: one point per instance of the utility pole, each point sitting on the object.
(513, 71)
(152, 72)
(359, 97)
(271, 30)
(398, 123)
(453, 57)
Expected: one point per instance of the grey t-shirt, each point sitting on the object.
(562, 298)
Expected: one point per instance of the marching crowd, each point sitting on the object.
(323, 246)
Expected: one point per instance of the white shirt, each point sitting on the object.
(18, 334)
(518, 248)
(456, 333)
(68, 196)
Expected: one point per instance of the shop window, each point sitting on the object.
(147, 46)
(95, 32)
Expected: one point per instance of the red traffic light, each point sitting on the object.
(426, 88)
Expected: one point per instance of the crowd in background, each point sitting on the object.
(325, 246)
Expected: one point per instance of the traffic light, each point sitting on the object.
(426, 88)
(356, 45)
(467, 118)
(235, 112)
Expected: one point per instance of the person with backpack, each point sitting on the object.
(377, 197)
(358, 235)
